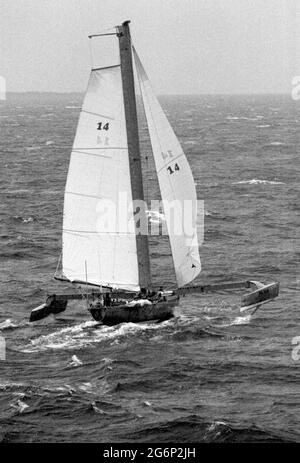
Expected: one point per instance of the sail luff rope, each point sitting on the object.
(91, 54)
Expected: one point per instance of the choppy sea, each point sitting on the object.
(208, 375)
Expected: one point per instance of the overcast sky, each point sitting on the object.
(187, 46)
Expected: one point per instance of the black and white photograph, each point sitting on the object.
(149, 240)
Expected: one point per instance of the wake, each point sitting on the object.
(89, 333)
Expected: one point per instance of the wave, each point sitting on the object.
(48, 115)
(190, 142)
(76, 362)
(193, 429)
(155, 216)
(210, 214)
(48, 387)
(19, 406)
(15, 388)
(242, 320)
(218, 216)
(87, 334)
(33, 148)
(19, 218)
(255, 181)
(7, 325)
(221, 431)
(90, 333)
(245, 320)
(243, 118)
(97, 409)
(20, 191)
(108, 361)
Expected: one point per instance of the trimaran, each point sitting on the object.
(106, 160)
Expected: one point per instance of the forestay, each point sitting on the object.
(176, 183)
(96, 247)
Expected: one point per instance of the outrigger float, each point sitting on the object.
(106, 161)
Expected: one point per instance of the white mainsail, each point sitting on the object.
(95, 249)
(176, 183)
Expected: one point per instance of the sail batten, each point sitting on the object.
(97, 232)
(98, 115)
(99, 170)
(176, 183)
(106, 67)
(103, 148)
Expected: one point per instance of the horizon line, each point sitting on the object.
(159, 94)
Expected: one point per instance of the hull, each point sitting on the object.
(124, 313)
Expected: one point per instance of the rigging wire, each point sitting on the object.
(147, 180)
(91, 53)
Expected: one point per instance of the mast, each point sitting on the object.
(134, 148)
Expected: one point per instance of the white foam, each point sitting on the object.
(6, 386)
(76, 362)
(56, 389)
(97, 409)
(84, 335)
(19, 191)
(255, 181)
(235, 118)
(215, 424)
(241, 320)
(7, 324)
(86, 387)
(190, 142)
(33, 148)
(27, 219)
(107, 360)
(237, 321)
(19, 406)
(155, 216)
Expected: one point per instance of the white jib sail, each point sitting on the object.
(97, 247)
(176, 183)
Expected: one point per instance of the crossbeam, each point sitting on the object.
(213, 287)
(57, 303)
